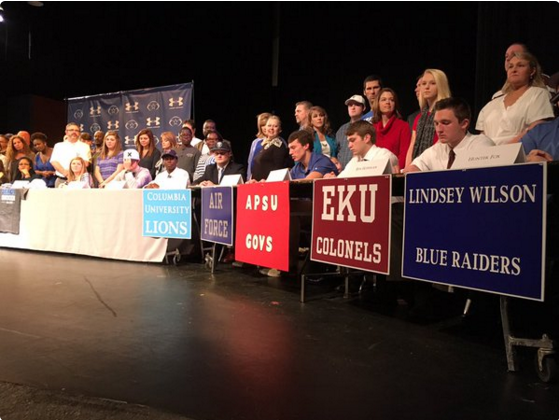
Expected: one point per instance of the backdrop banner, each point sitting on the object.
(160, 109)
(481, 229)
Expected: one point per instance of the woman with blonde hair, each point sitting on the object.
(273, 154)
(524, 102)
(168, 143)
(434, 87)
(17, 148)
(78, 172)
(256, 146)
(109, 161)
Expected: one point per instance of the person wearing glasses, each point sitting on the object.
(214, 173)
(188, 155)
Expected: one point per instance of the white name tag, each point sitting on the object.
(369, 168)
(230, 180)
(507, 154)
(279, 175)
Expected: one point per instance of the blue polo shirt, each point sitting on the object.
(544, 136)
(317, 163)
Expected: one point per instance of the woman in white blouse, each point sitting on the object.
(523, 104)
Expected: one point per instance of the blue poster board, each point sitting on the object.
(480, 229)
(167, 213)
(217, 215)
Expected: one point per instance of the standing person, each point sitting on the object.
(149, 153)
(109, 163)
(192, 125)
(43, 167)
(256, 146)
(302, 113)
(371, 87)
(413, 116)
(187, 154)
(324, 143)
(168, 143)
(25, 136)
(355, 109)
(66, 150)
(434, 87)
(98, 138)
(274, 154)
(3, 149)
(17, 148)
(393, 133)
(523, 105)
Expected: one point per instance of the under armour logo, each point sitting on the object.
(95, 111)
(177, 102)
(81, 129)
(134, 106)
(112, 125)
(153, 122)
(128, 140)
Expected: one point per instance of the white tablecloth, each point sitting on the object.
(98, 223)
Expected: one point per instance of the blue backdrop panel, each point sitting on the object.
(159, 109)
(482, 229)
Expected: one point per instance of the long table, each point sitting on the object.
(97, 223)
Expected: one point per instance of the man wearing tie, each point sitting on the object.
(223, 165)
(452, 119)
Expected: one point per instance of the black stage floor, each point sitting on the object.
(237, 345)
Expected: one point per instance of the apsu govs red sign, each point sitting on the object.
(263, 224)
(351, 222)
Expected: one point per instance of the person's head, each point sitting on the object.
(3, 143)
(98, 137)
(318, 120)
(185, 136)
(39, 141)
(145, 141)
(222, 153)
(302, 109)
(212, 137)
(208, 125)
(25, 136)
(77, 169)
(355, 107)
(523, 70)
(16, 145)
(511, 50)
(111, 145)
(169, 141)
(452, 119)
(434, 87)
(87, 139)
(418, 86)
(387, 104)
(273, 127)
(24, 165)
(371, 87)
(261, 120)
(300, 144)
(130, 159)
(190, 124)
(361, 136)
(72, 133)
(170, 160)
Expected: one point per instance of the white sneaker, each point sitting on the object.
(270, 272)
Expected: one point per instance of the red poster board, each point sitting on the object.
(263, 224)
(351, 222)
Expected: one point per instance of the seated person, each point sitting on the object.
(452, 119)
(541, 143)
(25, 171)
(78, 173)
(133, 174)
(308, 165)
(361, 137)
(223, 165)
(171, 177)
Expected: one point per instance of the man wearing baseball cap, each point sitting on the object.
(214, 173)
(172, 177)
(134, 175)
(355, 109)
